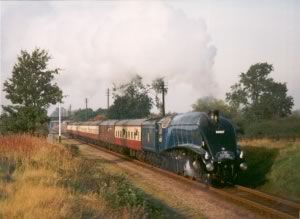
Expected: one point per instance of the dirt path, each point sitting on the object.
(183, 199)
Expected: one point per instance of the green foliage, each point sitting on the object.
(260, 161)
(131, 101)
(31, 90)
(81, 115)
(273, 169)
(284, 177)
(31, 81)
(206, 104)
(23, 119)
(277, 128)
(259, 96)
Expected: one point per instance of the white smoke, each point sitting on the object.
(98, 43)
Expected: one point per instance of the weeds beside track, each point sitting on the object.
(41, 180)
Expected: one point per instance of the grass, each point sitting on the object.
(40, 180)
(274, 166)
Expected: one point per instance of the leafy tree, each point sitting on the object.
(210, 103)
(31, 91)
(158, 85)
(259, 96)
(131, 100)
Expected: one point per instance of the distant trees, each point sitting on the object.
(258, 96)
(211, 103)
(131, 100)
(81, 114)
(64, 112)
(31, 90)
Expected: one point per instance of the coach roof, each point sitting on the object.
(130, 122)
(108, 122)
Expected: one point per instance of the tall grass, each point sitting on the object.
(41, 180)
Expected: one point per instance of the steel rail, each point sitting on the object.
(260, 201)
(268, 196)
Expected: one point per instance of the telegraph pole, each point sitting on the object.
(163, 98)
(86, 112)
(107, 98)
(59, 122)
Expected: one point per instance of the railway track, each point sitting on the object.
(273, 205)
(262, 202)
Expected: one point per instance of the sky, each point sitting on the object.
(199, 47)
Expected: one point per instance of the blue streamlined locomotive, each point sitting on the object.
(196, 144)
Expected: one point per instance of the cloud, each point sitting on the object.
(98, 43)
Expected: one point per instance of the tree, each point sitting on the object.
(259, 96)
(158, 85)
(131, 101)
(210, 103)
(31, 90)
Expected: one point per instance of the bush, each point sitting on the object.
(260, 161)
(288, 127)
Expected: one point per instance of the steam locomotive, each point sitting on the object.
(196, 144)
